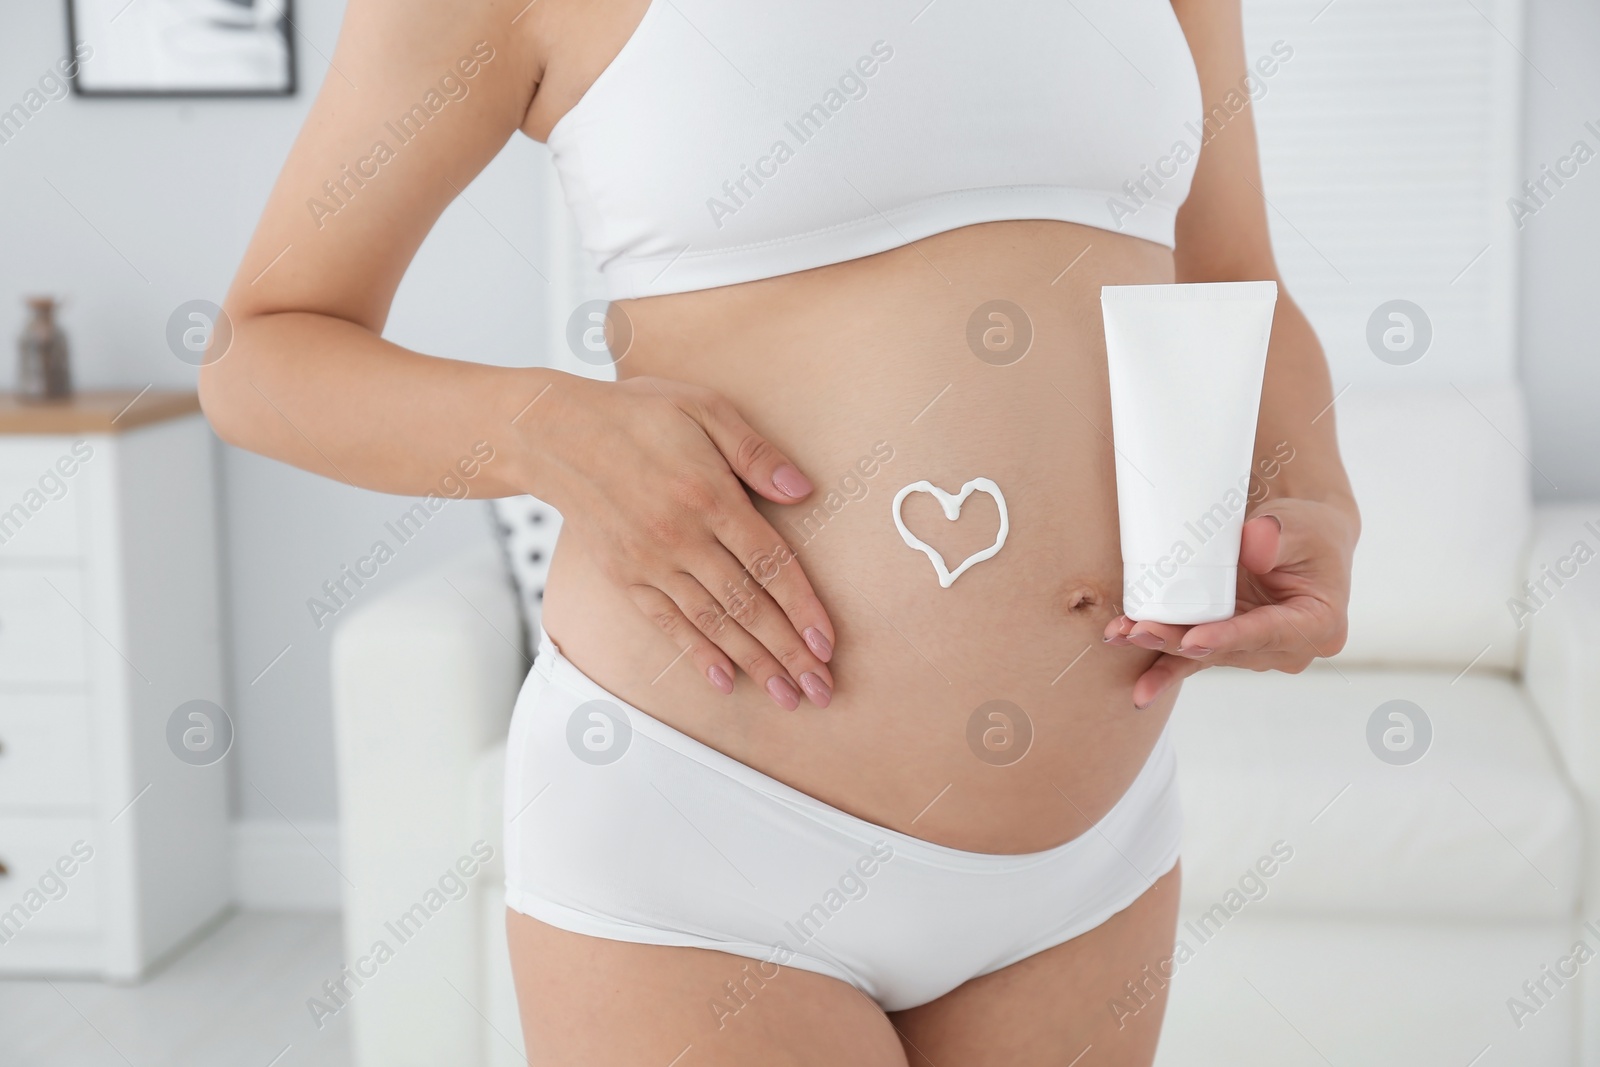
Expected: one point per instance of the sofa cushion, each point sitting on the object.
(1276, 991)
(1440, 476)
(1483, 825)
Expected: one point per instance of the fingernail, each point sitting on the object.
(816, 689)
(1118, 639)
(818, 644)
(1148, 640)
(719, 678)
(783, 692)
(1196, 651)
(1140, 707)
(788, 480)
(1277, 520)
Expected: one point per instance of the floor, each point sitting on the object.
(235, 999)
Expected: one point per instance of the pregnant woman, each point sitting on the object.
(775, 793)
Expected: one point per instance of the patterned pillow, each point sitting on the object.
(527, 528)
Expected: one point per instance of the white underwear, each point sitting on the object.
(619, 826)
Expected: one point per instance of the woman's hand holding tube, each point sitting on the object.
(650, 471)
(1294, 589)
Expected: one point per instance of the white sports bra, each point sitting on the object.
(733, 140)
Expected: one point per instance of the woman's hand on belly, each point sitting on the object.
(1294, 589)
(648, 471)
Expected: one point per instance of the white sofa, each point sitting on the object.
(1418, 899)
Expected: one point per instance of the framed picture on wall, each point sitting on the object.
(182, 47)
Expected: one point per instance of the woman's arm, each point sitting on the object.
(421, 96)
(1222, 236)
(1298, 541)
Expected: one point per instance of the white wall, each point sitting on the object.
(156, 201)
(1561, 248)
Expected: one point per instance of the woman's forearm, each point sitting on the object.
(1297, 453)
(331, 397)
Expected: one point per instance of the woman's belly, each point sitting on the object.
(986, 716)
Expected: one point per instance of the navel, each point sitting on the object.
(1081, 599)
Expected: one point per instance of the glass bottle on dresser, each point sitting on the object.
(42, 369)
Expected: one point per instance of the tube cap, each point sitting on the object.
(1193, 594)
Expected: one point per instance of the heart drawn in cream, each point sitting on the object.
(951, 503)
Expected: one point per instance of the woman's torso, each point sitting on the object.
(871, 374)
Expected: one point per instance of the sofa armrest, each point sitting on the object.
(424, 679)
(1558, 614)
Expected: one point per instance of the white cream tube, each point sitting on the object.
(1186, 363)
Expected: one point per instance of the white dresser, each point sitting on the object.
(113, 848)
